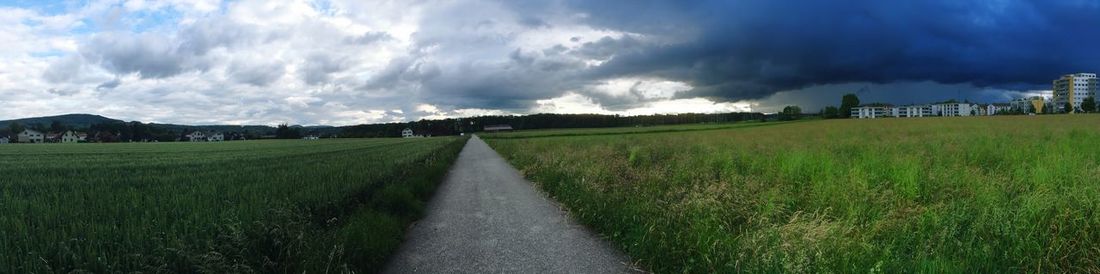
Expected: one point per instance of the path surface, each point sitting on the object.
(486, 218)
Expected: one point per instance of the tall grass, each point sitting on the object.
(962, 195)
(232, 207)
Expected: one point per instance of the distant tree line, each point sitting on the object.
(109, 132)
(539, 121)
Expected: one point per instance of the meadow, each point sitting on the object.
(540, 133)
(956, 195)
(288, 206)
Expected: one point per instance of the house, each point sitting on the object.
(498, 128)
(70, 137)
(105, 137)
(53, 137)
(31, 136)
(4, 140)
(196, 136)
(81, 137)
(215, 137)
(407, 133)
(311, 137)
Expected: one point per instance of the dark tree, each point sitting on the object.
(15, 128)
(57, 126)
(790, 113)
(1069, 107)
(848, 102)
(830, 112)
(286, 132)
(1089, 105)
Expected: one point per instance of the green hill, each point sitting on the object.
(72, 120)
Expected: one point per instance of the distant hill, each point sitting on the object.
(72, 120)
(82, 121)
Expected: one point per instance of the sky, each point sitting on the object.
(345, 62)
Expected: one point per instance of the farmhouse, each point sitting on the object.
(53, 137)
(105, 137)
(498, 128)
(215, 137)
(70, 137)
(4, 140)
(31, 136)
(407, 133)
(197, 136)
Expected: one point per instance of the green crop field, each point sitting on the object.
(960, 195)
(287, 206)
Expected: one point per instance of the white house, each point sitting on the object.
(197, 136)
(70, 137)
(31, 136)
(407, 133)
(4, 140)
(311, 137)
(215, 137)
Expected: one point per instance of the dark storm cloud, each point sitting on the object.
(750, 49)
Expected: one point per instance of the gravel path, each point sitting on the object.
(486, 218)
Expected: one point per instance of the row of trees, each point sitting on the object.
(539, 121)
(847, 103)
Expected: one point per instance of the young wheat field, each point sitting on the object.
(288, 206)
(959, 195)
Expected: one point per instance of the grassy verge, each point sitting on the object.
(235, 207)
(958, 195)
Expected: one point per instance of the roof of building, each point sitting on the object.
(498, 127)
(876, 105)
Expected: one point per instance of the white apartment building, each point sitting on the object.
(913, 111)
(956, 109)
(1073, 89)
(871, 112)
(993, 109)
